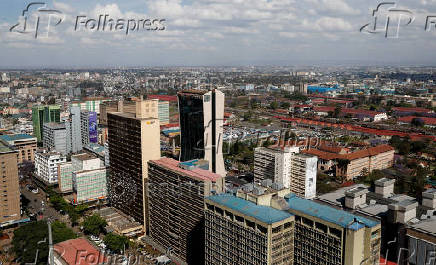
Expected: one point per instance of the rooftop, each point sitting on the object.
(16, 137)
(264, 214)
(4, 148)
(196, 173)
(327, 213)
(55, 125)
(84, 156)
(68, 251)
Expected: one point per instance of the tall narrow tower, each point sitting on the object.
(134, 139)
(201, 125)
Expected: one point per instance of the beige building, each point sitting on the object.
(320, 234)
(134, 139)
(287, 167)
(10, 190)
(24, 143)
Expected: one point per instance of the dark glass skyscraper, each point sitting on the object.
(201, 126)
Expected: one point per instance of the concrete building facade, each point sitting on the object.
(176, 206)
(287, 167)
(73, 131)
(46, 165)
(55, 137)
(134, 139)
(25, 144)
(10, 207)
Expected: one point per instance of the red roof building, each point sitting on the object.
(163, 97)
(78, 251)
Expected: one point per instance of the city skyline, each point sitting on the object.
(225, 33)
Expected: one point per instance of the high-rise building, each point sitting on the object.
(10, 190)
(287, 167)
(55, 137)
(90, 104)
(46, 165)
(244, 233)
(24, 143)
(317, 234)
(134, 139)
(89, 127)
(201, 127)
(176, 193)
(44, 114)
(74, 130)
(88, 171)
(164, 112)
(65, 177)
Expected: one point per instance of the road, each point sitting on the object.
(35, 205)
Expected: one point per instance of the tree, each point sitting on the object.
(286, 105)
(33, 237)
(417, 122)
(337, 111)
(115, 242)
(274, 105)
(93, 224)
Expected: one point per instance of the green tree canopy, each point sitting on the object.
(93, 224)
(33, 237)
(115, 242)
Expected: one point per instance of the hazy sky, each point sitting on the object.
(219, 32)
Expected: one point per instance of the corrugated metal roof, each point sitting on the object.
(15, 137)
(327, 213)
(264, 214)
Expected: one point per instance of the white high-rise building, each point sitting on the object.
(287, 167)
(46, 165)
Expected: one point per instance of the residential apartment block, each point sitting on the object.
(10, 207)
(25, 144)
(176, 193)
(287, 167)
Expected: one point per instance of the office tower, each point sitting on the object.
(55, 137)
(287, 167)
(46, 165)
(321, 235)
(201, 127)
(44, 114)
(87, 165)
(176, 205)
(89, 127)
(134, 139)
(89, 185)
(74, 131)
(24, 143)
(164, 112)
(244, 233)
(10, 190)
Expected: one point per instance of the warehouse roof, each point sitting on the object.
(264, 214)
(327, 213)
(15, 137)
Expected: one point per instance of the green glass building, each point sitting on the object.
(44, 114)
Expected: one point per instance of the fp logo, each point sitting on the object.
(388, 19)
(34, 17)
